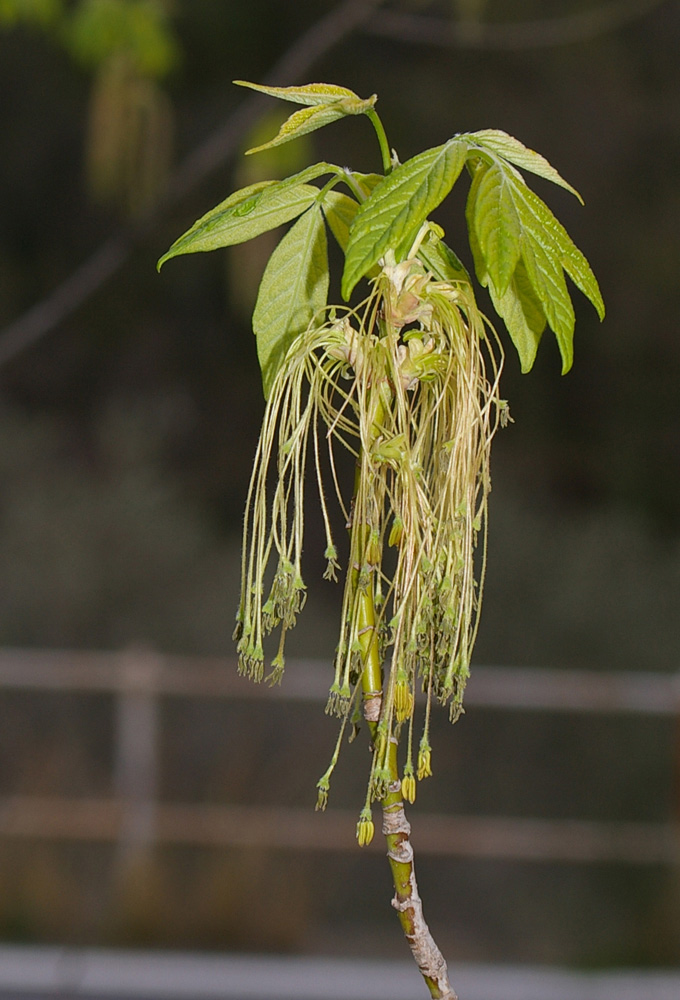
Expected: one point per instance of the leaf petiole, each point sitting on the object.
(328, 186)
(353, 186)
(385, 152)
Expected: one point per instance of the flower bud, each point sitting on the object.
(323, 787)
(408, 787)
(365, 828)
(396, 532)
(403, 700)
(424, 760)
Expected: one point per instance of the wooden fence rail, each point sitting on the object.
(526, 688)
(133, 817)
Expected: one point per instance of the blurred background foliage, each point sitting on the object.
(127, 430)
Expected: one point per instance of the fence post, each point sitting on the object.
(135, 765)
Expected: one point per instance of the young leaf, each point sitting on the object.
(547, 280)
(294, 287)
(442, 261)
(309, 119)
(364, 183)
(522, 314)
(239, 219)
(340, 211)
(251, 211)
(497, 226)
(506, 146)
(478, 259)
(391, 217)
(312, 93)
(544, 249)
(571, 258)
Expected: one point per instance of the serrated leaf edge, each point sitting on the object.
(319, 231)
(525, 158)
(302, 95)
(238, 197)
(373, 208)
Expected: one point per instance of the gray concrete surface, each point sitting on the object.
(39, 973)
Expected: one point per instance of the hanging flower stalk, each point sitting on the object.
(407, 381)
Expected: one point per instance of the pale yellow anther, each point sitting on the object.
(403, 701)
(365, 828)
(408, 787)
(424, 762)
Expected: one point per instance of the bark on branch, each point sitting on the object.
(407, 901)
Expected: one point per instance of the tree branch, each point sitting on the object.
(545, 33)
(105, 262)
(407, 902)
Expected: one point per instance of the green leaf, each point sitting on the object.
(571, 258)
(361, 185)
(309, 119)
(442, 261)
(390, 218)
(251, 211)
(246, 214)
(365, 182)
(545, 251)
(506, 146)
(294, 288)
(547, 280)
(312, 93)
(519, 307)
(579, 270)
(479, 262)
(497, 226)
(340, 211)
(522, 314)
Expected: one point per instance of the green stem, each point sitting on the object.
(328, 186)
(407, 901)
(382, 140)
(395, 826)
(368, 641)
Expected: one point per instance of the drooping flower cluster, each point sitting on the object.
(408, 382)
